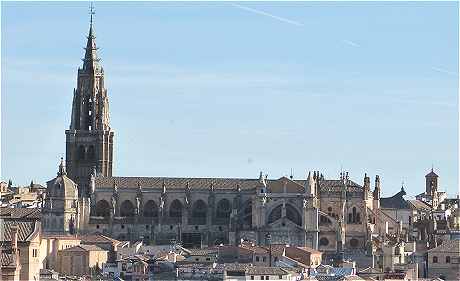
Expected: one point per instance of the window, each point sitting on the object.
(276, 259)
(435, 259)
(354, 243)
(252, 277)
(267, 277)
(447, 259)
(264, 259)
(257, 258)
(170, 227)
(97, 226)
(122, 226)
(34, 253)
(280, 276)
(208, 259)
(146, 226)
(261, 278)
(323, 241)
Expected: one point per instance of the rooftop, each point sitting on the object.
(82, 247)
(448, 246)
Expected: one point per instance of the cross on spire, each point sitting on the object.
(91, 12)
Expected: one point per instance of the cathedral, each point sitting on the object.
(325, 214)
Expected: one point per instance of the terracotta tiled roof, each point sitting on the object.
(7, 259)
(205, 183)
(176, 183)
(448, 246)
(395, 202)
(419, 205)
(255, 270)
(85, 248)
(337, 185)
(60, 236)
(277, 249)
(203, 252)
(300, 254)
(19, 213)
(97, 238)
(255, 249)
(25, 230)
(310, 250)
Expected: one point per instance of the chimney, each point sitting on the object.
(14, 237)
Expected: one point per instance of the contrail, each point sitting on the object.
(441, 70)
(267, 15)
(351, 43)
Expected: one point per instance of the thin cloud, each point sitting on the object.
(351, 43)
(445, 71)
(267, 15)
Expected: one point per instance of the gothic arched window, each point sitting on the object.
(199, 212)
(293, 215)
(247, 213)
(127, 209)
(175, 210)
(81, 154)
(223, 209)
(354, 216)
(91, 152)
(150, 209)
(324, 219)
(102, 208)
(275, 214)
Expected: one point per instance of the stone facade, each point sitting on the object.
(444, 261)
(63, 211)
(89, 140)
(80, 260)
(330, 215)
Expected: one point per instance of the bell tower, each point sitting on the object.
(89, 140)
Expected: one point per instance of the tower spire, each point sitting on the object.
(89, 140)
(91, 60)
(91, 12)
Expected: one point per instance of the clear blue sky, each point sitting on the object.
(224, 90)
